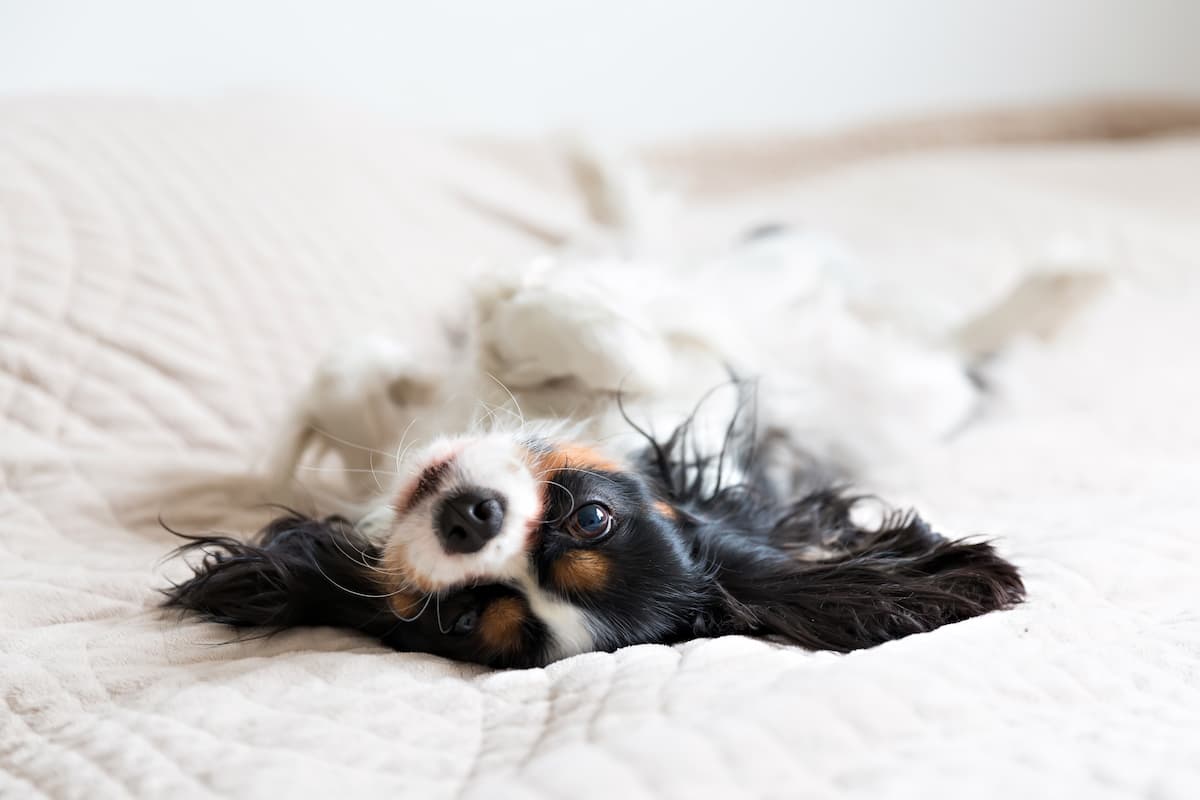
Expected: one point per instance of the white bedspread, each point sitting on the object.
(168, 275)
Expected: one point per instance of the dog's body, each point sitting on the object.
(619, 452)
(584, 476)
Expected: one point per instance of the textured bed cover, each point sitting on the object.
(169, 274)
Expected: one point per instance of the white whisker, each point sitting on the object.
(437, 610)
(491, 412)
(351, 591)
(317, 468)
(520, 414)
(565, 489)
(400, 449)
(412, 470)
(346, 442)
(371, 464)
(416, 616)
(362, 557)
(555, 470)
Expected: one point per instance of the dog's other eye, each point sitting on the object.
(590, 521)
(465, 622)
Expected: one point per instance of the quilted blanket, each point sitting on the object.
(170, 272)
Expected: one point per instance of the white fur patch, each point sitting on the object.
(493, 462)
(567, 623)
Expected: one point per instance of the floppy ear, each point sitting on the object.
(298, 571)
(862, 588)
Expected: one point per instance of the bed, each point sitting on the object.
(171, 271)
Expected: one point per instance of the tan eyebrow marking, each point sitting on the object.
(572, 456)
(580, 571)
(501, 623)
(666, 509)
(546, 462)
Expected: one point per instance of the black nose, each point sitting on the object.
(469, 519)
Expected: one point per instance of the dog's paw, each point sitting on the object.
(1039, 305)
(585, 323)
(360, 400)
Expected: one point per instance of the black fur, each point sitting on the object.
(297, 571)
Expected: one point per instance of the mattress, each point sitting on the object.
(170, 272)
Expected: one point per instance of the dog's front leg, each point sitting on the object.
(363, 402)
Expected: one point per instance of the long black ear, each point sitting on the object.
(297, 571)
(805, 570)
(862, 588)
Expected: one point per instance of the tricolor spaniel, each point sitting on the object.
(618, 454)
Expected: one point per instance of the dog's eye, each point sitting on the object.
(465, 622)
(590, 521)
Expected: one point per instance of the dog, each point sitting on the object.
(606, 459)
(519, 548)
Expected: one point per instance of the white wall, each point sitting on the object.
(632, 69)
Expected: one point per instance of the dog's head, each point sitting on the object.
(526, 550)
(516, 550)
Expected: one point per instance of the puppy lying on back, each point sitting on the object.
(620, 453)
(516, 539)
